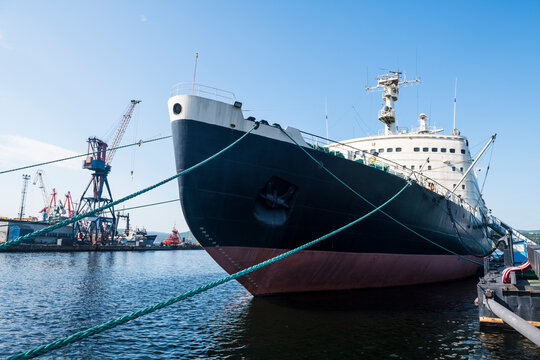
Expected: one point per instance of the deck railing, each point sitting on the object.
(185, 88)
(389, 166)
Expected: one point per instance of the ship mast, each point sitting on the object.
(390, 84)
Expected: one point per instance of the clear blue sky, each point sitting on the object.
(68, 70)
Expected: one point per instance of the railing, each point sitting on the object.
(389, 166)
(184, 88)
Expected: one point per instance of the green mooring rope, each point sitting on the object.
(139, 143)
(370, 203)
(43, 349)
(135, 194)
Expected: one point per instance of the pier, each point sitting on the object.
(509, 296)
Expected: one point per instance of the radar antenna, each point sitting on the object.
(390, 83)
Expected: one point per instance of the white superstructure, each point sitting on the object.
(433, 159)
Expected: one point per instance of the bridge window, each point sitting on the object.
(389, 150)
(398, 149)
(453, 168)
(434, 149)
(429, 167)
(416, 149)
(463, 151)
(412, 167)
(381, 150)
(461, 169)
(452, 150)
(425, 149)
(443, 149)
(372, 151)
(463, 187)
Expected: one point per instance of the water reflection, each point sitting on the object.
(421, 322)
(47, 296)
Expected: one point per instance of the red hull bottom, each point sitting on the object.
(311, 270)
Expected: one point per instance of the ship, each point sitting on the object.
(172, 240)
(133, 236)
(265, 196)
(136, 237)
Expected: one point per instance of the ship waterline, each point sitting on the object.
(312, 270)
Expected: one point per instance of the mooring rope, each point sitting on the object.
(320, 164)
(43, 349)
(139, 143)
(152, 204)
(135, 194)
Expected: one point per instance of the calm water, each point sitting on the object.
(47, 296)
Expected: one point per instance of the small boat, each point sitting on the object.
(172, 240)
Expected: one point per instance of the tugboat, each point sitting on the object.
(265, 196)
(172, 240)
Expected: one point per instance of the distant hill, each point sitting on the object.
(530, 231)
(534, 235)
(161, 236)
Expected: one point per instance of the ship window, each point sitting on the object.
(398, 149)
(434, 149)
(381, 150)
(453, 168)
(463, 186)
(389, 150)
(452, 150)
(429, 167)
(461, 169)
(463, 151)
(416, 149)
(425, 149)
(443, 149)
(454, 185)
(372, 151)
(412, 167)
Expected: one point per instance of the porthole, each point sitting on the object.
(177, 109)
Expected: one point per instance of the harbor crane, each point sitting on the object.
(44, 193)
(23, 195)
(101, 227)
(52, 210)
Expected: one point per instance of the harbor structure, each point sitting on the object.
(100, 228)
(11, 229)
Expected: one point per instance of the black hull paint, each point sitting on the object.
(219, 199)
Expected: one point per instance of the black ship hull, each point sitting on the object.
(265, 196)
